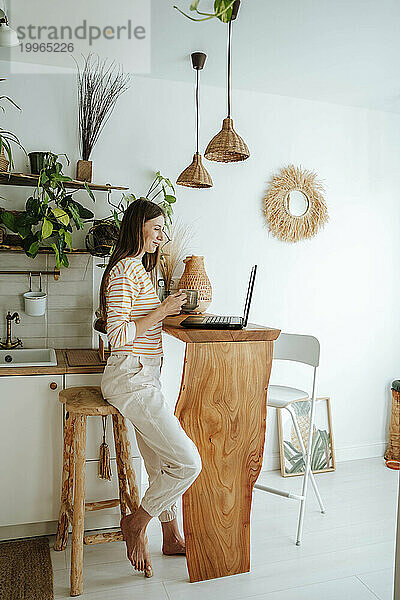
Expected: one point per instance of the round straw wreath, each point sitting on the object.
(284, 225)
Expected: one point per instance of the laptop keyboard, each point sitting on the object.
(216, 319)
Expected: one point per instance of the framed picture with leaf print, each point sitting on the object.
(322, 454)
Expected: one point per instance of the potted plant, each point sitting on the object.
(38, 160)
(102, 237)
(99, 87)
(160, 185)
(50, 214)
(7, 138)
(223, 10)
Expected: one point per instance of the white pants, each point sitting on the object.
(132, 384)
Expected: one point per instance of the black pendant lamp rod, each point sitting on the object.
(229, 66)
(198, 61)
(197, 109)
(196, 175)
(235, 10)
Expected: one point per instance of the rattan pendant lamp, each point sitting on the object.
(196, 175)
(227, 145)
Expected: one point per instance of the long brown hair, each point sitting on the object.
(130, 242)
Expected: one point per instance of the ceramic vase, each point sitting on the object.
(195, 277)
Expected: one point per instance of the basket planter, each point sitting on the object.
(4, 163)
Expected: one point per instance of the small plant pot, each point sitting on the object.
(38, 161)
(84, 169)
(35, 303)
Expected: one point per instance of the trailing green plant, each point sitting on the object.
(50, 214)
(7, 138)
(222, 11)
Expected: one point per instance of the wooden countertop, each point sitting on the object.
(251, 333)
(85, 360)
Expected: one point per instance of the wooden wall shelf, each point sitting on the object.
(6, 248)
(25, 180)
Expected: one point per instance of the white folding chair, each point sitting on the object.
(303, 349)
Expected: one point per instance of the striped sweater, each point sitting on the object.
(131, 294)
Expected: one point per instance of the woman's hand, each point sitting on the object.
(173, 303)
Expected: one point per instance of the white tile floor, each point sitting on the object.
(346, 554)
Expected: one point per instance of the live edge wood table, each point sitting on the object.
(222, 407)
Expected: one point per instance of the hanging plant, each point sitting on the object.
(223, 10)
(160, 185)
(50, 214)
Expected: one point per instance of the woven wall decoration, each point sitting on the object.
(282, 223)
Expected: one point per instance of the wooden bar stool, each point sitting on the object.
(81, 402)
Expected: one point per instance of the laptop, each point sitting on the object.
(218, 322)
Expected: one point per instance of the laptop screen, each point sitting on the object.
(249, 295)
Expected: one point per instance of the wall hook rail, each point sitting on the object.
(55, 273)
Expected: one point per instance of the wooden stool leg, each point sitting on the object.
(67, 484)
(79, 508)
(121, 466)
(126, 455)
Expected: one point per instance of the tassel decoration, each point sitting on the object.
(104, 456)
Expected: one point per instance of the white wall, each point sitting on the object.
(342, 286)
(67, 322)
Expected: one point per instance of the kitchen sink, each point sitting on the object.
(28, 357)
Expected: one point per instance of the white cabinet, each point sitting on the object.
(31, 446)
(30, 449)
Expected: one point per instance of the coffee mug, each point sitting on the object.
(192, 301)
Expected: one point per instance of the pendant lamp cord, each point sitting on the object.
(197, 111)
(229, 66)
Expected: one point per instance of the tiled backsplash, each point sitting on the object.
(68, 320)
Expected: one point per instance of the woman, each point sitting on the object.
(131, 379)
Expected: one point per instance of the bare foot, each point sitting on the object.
(133, 529)
(173, 542)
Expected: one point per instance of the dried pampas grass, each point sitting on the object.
(174, 251)
(284, 225)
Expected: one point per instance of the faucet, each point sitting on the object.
(8, 344)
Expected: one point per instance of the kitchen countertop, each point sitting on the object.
(88, 355)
